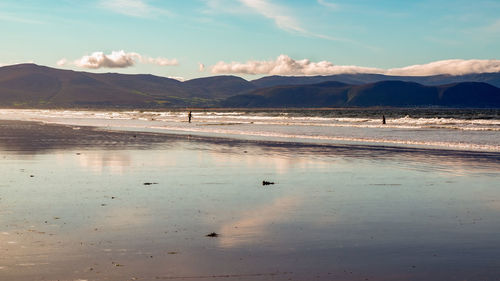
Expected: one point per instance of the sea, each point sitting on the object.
(455, 129)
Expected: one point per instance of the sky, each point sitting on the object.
(253, 38)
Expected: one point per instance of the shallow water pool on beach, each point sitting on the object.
(74, 206)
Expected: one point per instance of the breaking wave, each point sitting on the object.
(453, 129)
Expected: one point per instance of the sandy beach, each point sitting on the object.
(84, 203)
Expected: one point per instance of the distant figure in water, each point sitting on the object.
(383, 119)
(190, 116)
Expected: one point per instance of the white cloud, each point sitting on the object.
(201, 67)
(451, 67)
(226, 6)
(134, 8)
(494, 27)
(178, 78)
(62, 62)
(117, 59)
(18, 19)
(280, 15)
(276, 13)
(160, 61)
(328, 4)
(284, 65)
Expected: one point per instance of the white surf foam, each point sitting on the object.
(473, 134)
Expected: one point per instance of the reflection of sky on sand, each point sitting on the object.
(279, 164)
(123, 217)
(252, 225)
(115, 161)
(335, 213)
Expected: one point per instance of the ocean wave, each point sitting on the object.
(367, 140)
(475, 134)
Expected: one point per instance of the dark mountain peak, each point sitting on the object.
(469, 84)
(19, 70)
(216, 79)
(460, 94)
(331, 84)
(221, 86)
(394, 83)
(129, 79)
(24, 66)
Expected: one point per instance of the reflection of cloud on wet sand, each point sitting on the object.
(275, 163)
(119, 162)
(119, 217)
(55, 251)
(254, 224)
(25, 250)
(494, 204)
(114, 161)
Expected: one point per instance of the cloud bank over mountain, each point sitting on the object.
(451, 67)
(117, 59)
(286, 66)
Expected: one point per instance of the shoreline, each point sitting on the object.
(457, 130)
(87, 137)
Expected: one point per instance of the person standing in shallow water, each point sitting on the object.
(383, 119)
(189, 116)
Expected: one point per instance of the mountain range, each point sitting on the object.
(31, 85)
(379, 94)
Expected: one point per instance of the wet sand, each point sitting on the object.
(81, 203)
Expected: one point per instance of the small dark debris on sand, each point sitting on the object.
(213, 234)
(150, 183)
(267, 182)
(32, 176)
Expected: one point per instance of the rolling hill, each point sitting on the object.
(30, 85)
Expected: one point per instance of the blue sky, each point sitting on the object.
(251, 38)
